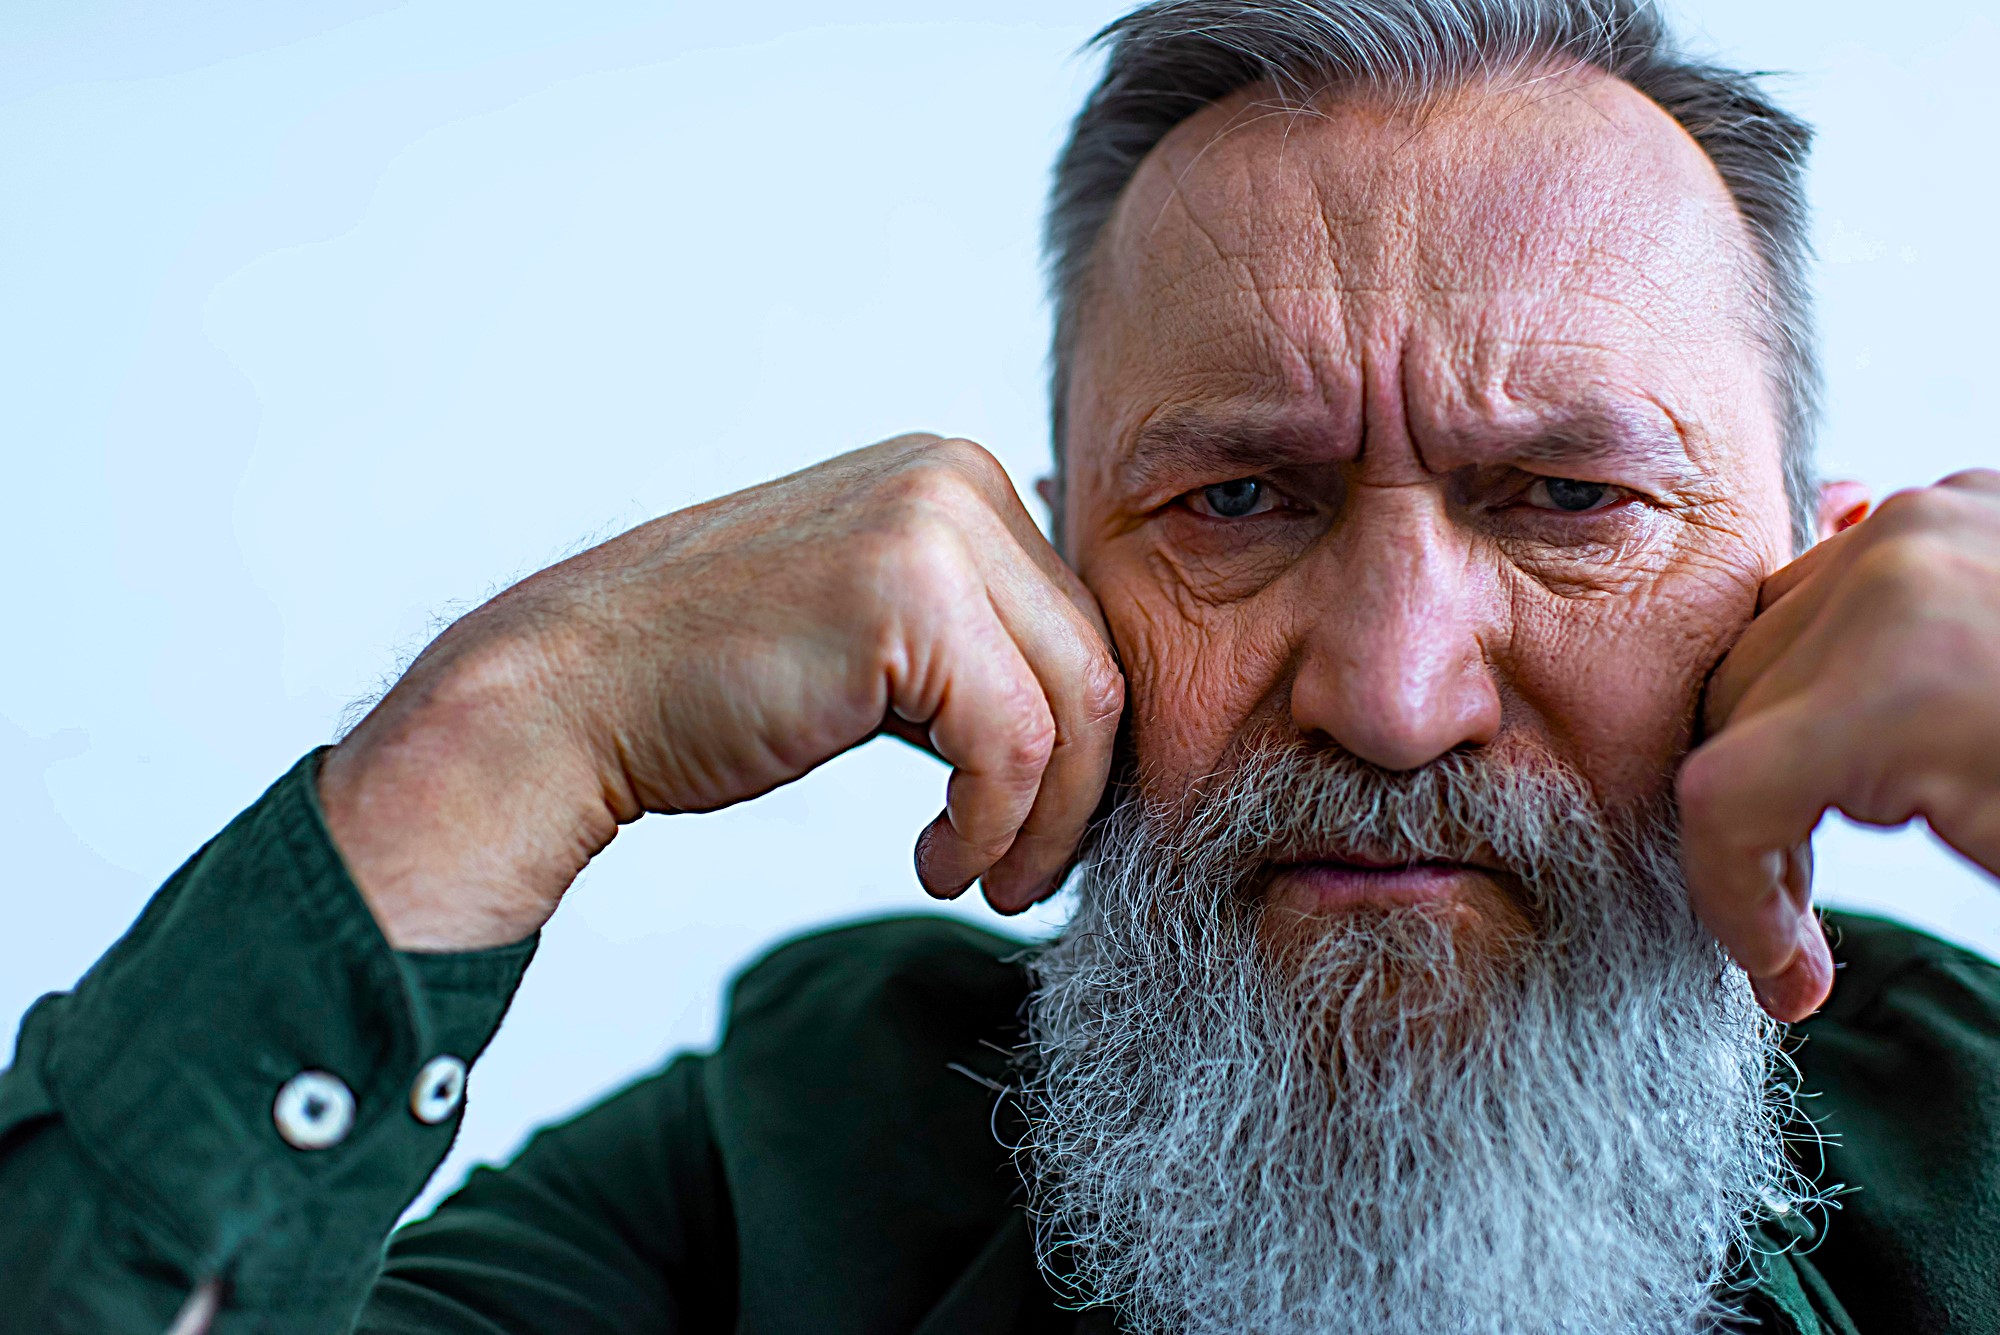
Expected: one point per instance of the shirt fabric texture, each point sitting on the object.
(838, 1164)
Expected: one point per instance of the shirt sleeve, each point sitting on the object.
(244, 1092)
(615, 1221)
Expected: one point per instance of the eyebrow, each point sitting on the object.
(1594, 431)
(1178, 442)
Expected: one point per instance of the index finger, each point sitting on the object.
(1786, 606)
(1006, 504)
(1822, 555)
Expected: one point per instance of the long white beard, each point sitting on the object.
(1388, 1123)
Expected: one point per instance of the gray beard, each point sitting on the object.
(1394, 1121)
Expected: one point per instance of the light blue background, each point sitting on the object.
(322, 320)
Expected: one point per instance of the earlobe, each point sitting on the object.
(1842, 505)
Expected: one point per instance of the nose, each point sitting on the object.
(1392, 667)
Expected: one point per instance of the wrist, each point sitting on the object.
(462, 813)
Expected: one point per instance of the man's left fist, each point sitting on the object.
(1869, 683)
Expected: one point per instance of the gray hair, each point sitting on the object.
(1243, 1116)
(1169, 59)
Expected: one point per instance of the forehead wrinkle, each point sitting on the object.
(1565, 226)
(1176, 189)
(1292, 347)
(1300, 355)
(1367, 186)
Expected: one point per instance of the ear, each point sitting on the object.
(1842, 505)
(1051, 491)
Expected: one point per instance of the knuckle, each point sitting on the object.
(1103, 690)
(1032, 742)
(969, 458)
(929, 488)
(985, 838)
(1023, 738)
(947, 488)
(1974, 479)
(1915, 510)
(1900, 565)
(912, 546)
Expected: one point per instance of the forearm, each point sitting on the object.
(147, 1141)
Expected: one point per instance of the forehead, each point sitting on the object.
(1496, 244)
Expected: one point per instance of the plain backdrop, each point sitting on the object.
(320, 321)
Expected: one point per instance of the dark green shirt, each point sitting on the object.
(837, 1164)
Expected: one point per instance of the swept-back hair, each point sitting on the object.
(1169, 59)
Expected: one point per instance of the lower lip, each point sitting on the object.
(1332, 886)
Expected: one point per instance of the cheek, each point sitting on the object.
(1614, 684)
(1196, 677)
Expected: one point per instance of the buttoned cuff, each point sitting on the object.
(265, 1080)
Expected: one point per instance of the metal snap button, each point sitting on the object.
(440, 1088)
(314, 1111)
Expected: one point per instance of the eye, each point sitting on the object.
(1236, 499)
(1570, 496)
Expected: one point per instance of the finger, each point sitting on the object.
(1986, 480)
(1005, 503)
(1789, 603)
(1831, 552)
(1798, 599)
(1086, 697)
(993, 726)
(1804, 985)
(916, 734)
(1750, 800)
(1801, 987)
(1903, 510)
(1752, 662)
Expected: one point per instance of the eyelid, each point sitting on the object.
(1275, 495)
(1615, 494)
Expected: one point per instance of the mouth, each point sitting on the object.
(1335, 884)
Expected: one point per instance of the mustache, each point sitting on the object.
(1515, 808)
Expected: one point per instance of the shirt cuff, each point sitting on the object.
(255, 1068)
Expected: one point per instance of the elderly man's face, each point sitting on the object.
(1406, 435)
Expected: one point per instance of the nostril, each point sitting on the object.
(1399, 721)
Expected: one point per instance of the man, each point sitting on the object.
(1434, 395)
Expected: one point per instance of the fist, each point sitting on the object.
(714, 654)
(1869, 683)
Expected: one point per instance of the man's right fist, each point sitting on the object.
(714, 654)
